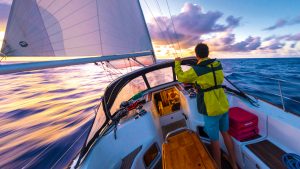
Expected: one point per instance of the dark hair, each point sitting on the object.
(201, 50)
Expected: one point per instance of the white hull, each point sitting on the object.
(275, 125)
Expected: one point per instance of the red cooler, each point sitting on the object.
(243, 124)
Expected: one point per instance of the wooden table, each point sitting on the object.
(186, 151)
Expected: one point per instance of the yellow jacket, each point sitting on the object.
(211, 98)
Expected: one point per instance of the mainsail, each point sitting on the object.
(78, 28)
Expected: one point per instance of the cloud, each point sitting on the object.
(293, 45)
(193, 25)
(249, 44)
(227, 42)
(295, 37)
(273, 45)
(288, 37)
(190, 24)
(284, 22)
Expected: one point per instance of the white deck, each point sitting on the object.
(275, 125)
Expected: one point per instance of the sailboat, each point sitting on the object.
(142, 111)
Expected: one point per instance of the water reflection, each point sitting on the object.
(41, 109)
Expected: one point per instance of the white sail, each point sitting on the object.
(76, 28)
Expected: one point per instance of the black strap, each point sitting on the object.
(215, 81)
(214, 73)
(210, 88)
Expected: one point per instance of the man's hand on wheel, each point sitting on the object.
(178, 59)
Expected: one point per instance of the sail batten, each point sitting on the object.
(76, 28)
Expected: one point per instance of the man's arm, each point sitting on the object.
(189, 76)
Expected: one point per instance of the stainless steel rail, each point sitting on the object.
(279, 83)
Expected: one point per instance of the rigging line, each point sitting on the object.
(134, 59)
(3, 57)
(126, 65)
(157, 22)
(48, 146)
(130, 64)
(114, 68)
(172, 43)
(99, 27)
(161, 13)
(103, 69)
(174, 27)
(70, 147)
(111, 78)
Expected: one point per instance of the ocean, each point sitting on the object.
(45, 115)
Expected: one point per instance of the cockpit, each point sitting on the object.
(139, 112)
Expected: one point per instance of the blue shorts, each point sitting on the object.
(214, 124)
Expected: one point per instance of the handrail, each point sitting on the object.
(271, 78)
(271, 93)
(279, 81)
(176, 131)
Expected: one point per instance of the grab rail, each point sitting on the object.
(279, 83)
(171, 133)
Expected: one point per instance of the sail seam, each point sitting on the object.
(45, 28)
(99, 26)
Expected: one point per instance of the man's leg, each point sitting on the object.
(230, 148)
(216, 152)
(224, 126)
(211, 127)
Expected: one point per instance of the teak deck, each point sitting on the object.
(185, 150)
(269, 153)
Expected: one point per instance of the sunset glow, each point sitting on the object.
(230, 33)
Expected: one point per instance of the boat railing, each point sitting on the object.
(278, 82)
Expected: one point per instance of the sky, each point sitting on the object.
(232, 28)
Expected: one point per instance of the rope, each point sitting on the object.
(3, 56)
(106, 72)
(172, 43)
(61, 157)
(130, 64)
(176, 35)
(291, 161)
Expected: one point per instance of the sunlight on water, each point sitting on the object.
(40, 108)
(45, 115)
